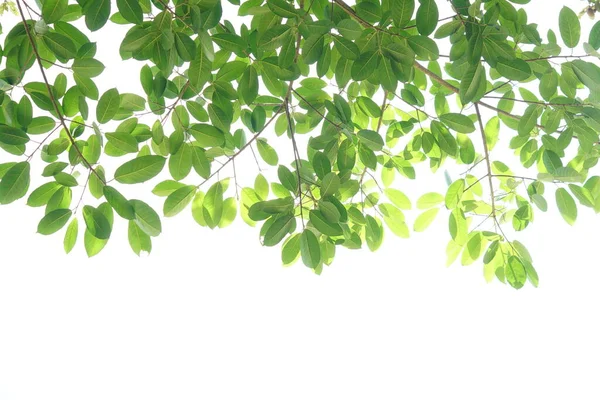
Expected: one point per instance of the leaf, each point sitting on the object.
(290, 251)
(119, 203)
(371, 139)
(427, 17)
(138, 239)
(178, 200)
(569, 26)
(398, 198)
(108, 106)
(131, 11)
(87, 67)
(373, 233)
(53, 10)
(207, 135)
(248, 86)
(515, 69)
(454, 194)
(180, 163)
(330, 184)
(146, 218)
(429, 200)
(278, 229)
(365, 65)
(566, 205)
(587, 73)
(12, 136)
(310, 250)
(15, 182)
(71, 236)
(346, 48)
(267, 153)
(282, 8)
(123, 141)
(212, 205)
(458, 122)
(402, 12)
(40, 196)
(516, 275)
(140, 169)
(54, 221)
(96, 223)
(425, 219)
(471, 84)
(96, 13)
(60, 45)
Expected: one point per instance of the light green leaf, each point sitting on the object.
(108, 106)
(569, 26)
(566, 205)
(140, 169)
(54, 221)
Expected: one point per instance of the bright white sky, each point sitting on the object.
(212, 315)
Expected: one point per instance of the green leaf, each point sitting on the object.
(178, 200)
(278, 229)
(119, 203)
(123, 141)
(96, 13)
(290, 251)
(429, 200)
(371, 139)
(207, 135)
(40, 196)
(131, 11)
(330, 184)
(587, 73)
(427, 17)
(140, 169)
(282, 8)
(54, 221)
(365, 65)
(15, 182)
(402, 12)
(180, 163)
(146, 218)
(515, 69)
(53, 10)
(87, 67)
(60, 45)
(96, 223)
(12, 136)
(71, 236)
(248, 86)
(212, 205)
(310, 250)
(425, 219)
(516, 275)
(566, 205)
(108, 106)
(569, 26)
(458, 122)
(398, 198)
(267, 153)
(138, 239)
(346, 48)
(373, 233)
(471, 84)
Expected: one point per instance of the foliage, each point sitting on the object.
(361, 92)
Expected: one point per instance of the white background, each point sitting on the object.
(212, 315)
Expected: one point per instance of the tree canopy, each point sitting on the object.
(345, 104)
